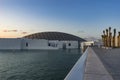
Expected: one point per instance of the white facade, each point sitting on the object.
(28, 44)
(69, 44)
(65, 44)
(10, 43)
(34, 44)
(87, 43)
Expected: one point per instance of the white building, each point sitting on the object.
(10, 43)
(45, 40)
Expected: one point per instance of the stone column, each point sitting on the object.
(110, 36)
(114, 36)
(104, 39)
(118, 39)
(107, 42)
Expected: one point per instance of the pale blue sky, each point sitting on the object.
(84, 18)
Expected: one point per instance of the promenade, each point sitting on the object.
(110, 58)
(97, 64)
(94, 69)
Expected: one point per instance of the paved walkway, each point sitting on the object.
(95, 69)
(111, 60)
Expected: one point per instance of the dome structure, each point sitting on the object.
(54, 36)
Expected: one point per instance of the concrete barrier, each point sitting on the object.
(77, 72)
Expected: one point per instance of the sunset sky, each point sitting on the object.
(84, 18)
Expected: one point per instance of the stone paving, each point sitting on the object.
(110, 59)
(95, 69)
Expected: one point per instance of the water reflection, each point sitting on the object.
(37, 64)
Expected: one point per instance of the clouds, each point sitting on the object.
(81, 31)
(10, 30)
(15, 31)
(92, 38)
(24, 32)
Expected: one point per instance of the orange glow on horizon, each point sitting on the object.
(10, 35)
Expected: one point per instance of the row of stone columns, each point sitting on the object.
(109, 40)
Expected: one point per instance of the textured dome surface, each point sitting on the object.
(54, 36)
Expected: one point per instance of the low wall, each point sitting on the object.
(10, 44)
(77, 72)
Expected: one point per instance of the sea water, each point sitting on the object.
(37, 64)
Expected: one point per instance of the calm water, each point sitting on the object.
(37, 65)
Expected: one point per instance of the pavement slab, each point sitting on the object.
(111, 60)
(95, 69)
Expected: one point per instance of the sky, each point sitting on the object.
(83, 18)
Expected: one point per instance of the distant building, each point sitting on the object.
(97, 43)
(43, 40)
